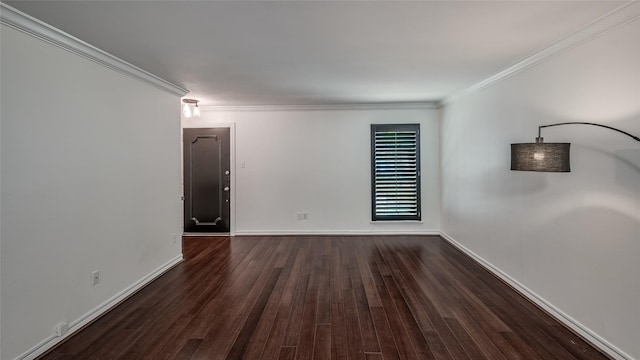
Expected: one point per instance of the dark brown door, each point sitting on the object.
(207, 175)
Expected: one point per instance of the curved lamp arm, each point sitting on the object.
(548, 157)
(539, 138)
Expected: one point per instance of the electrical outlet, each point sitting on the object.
(305, 216)
(96, 277)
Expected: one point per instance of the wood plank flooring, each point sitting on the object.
(325, 297)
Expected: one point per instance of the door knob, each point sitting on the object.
(226, 188)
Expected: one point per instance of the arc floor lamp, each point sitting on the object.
(548, 157)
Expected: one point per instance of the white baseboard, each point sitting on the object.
(51, 341)
(568, 321)
(336, 232)
(595, 339)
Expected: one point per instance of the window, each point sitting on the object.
(395, 172)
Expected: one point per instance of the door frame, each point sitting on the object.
(204, 124)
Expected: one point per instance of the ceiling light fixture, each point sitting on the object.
(186, 109)
(548, 157)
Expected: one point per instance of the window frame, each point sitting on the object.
(396, 128)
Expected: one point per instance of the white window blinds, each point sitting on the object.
(395, 172)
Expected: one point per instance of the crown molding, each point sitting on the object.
(29, 25)
(353, 106)
(615, 18)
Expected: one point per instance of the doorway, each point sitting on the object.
(207, 179)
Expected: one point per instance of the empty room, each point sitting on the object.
(319, 180)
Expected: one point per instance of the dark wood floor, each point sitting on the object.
(368, 298)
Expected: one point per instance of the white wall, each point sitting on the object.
(318, 161)
(90, 181)
(573, 238)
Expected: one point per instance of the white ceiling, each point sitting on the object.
(319, 52)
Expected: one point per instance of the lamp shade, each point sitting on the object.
(546, 157)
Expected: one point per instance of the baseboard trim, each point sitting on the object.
(590, 336)
(78, 324)
(559, 315)
(334, 232)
